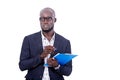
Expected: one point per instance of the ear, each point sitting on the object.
(55, 20)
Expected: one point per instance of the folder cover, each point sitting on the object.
(64, 58)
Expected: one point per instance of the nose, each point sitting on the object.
(45, 21)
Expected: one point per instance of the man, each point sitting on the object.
(39, 48)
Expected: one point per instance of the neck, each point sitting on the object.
(48, 35)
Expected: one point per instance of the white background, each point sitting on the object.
(93, 26)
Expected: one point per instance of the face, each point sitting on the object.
(47, 20)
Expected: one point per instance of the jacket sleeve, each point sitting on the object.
(26, 61)
(67, 68)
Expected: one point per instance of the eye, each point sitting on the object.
(49, 18)
(45, 18)
(41, 18)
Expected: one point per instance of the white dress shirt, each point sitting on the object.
(46, 42)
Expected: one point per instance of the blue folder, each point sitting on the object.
(64, 58)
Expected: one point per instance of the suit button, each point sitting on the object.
(40, 76)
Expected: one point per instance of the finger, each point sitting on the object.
(49, 47)
(49, 61)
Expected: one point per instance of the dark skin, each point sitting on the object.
(48, 49)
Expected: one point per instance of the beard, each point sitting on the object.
(48, 29)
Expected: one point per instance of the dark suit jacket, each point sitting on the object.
(30, 57)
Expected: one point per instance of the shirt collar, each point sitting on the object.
(44, 38)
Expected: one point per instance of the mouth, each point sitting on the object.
(45, 26)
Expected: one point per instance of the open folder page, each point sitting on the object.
(64, 58)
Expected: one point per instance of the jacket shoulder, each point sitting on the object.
(62, 38)
(33, 35)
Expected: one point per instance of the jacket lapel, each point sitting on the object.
(56, 44)
(39, 41)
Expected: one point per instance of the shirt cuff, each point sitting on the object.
(57, 67)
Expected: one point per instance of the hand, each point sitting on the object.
(52, 62)
(47, 50)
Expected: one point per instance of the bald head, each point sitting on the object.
(47, 19)
(48, 10)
